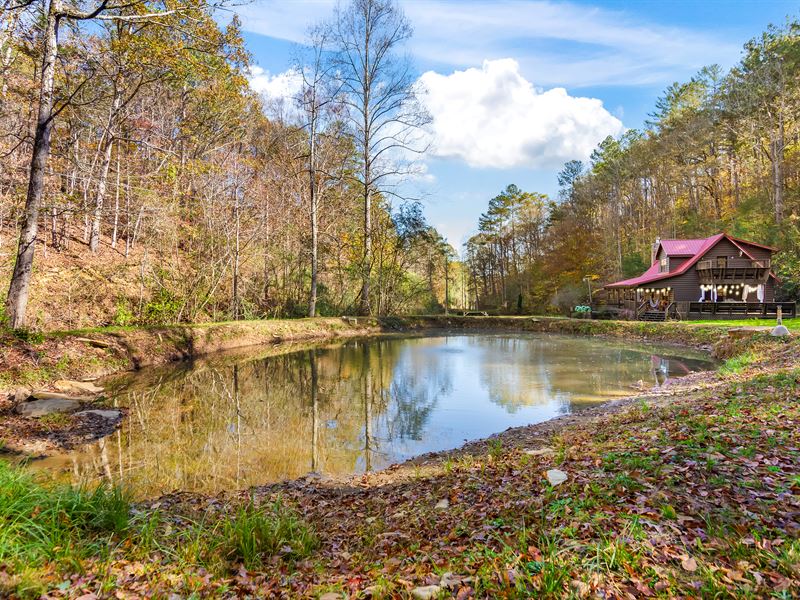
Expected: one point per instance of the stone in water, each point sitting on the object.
(40, 408)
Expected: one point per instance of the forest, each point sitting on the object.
(172, 427)
(719, 153)
(155, 186)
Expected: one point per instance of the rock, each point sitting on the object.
(42, 395)
(426, 592)
(111, 414)
(76, 387)
(442, 504)
(48, 406)
(331, 596)
(556, 477)
(540, 452)
(20, 395)
(747, 331)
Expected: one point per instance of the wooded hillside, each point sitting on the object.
(171, 193)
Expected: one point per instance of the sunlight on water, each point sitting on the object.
(232, 422)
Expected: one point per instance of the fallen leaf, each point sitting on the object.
(689, 564)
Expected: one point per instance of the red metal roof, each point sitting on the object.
(652, 273)
(682, 247)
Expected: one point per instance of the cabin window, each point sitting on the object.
(664, 265)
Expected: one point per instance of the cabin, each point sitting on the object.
(718, 277)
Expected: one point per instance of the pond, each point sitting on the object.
(234, 421)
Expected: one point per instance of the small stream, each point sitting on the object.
(234, 421)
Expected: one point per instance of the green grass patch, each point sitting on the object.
(255, 533)
(791, 324)
(737, 364)
(41, 524)
(48, 529)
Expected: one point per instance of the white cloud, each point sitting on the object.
(282, 86)
(562, 43)
(494, 117)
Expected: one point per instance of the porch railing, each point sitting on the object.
(735, 263)
(742, 309)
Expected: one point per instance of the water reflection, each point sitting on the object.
(235, 422)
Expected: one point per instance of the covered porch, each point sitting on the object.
(634, 299)
(733, 301)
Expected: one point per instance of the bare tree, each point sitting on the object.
(316, 97)
(378, 88)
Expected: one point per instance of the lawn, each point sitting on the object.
(791, 324)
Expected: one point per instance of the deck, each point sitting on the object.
(737, 310)
(704, 310)
(727, 271)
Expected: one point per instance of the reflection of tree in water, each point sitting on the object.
(232, 425)
(397, 397)
(664, 368)
(513, 371)
(520, 372)
(414, 393)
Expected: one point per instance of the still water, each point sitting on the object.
(235, 421)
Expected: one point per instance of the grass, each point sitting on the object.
(61, 525)
(254, 533)
(791, 324)
(738, 363)
(48, 530)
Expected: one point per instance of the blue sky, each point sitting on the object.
(518, 88)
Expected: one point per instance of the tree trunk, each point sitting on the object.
(236, 258)
(366, 93)
(312, 187)
(17, 300)
(777, 170)
(94, 239)
(116, 208)
(365, 305)
(94, 236)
